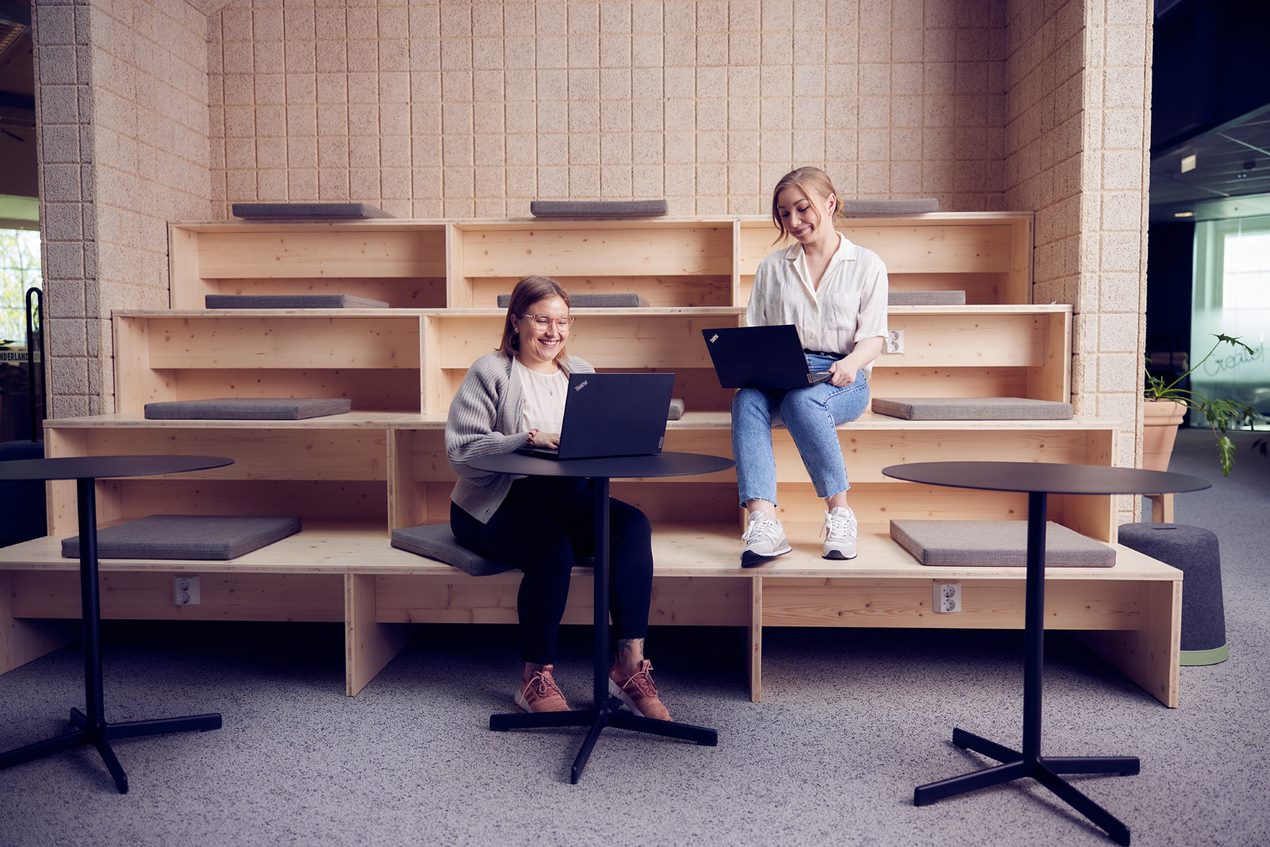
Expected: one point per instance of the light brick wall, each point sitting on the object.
(68, 220)
(1077, 138)
(122, 101)
(461, 109)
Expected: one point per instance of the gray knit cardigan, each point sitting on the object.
(485, 419)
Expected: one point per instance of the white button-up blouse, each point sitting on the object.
(850, 304)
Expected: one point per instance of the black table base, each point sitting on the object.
(606, 710)
(101, 734)
(608, 714)
(1029, 762)
(90, 725)
(1044, 769)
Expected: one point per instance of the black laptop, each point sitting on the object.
(612, 414)
(769, 357)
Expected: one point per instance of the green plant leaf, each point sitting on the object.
(1226, 451)
(1235, 341)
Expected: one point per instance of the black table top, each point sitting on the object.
(661, 464)
(1046, 477)
(94, 467)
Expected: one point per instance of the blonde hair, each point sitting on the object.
(805, 179)
(527, 292)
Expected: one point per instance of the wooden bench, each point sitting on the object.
(354, 477)
(1130, 613)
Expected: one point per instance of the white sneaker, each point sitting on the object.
(764, 539)
(840, 532)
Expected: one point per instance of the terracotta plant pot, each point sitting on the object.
(1160, 419)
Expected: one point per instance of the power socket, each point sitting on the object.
(185, 591)
(947, 597)
(894, 342)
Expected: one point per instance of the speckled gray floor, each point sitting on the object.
(851, 721)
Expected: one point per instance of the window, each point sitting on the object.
(19, 271)
(1232, 297)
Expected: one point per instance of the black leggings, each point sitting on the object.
(543, 527)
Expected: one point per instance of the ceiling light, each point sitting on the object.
(1183, 214)
(1188, 163)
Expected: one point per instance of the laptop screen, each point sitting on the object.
(769, 357)
(614, 414)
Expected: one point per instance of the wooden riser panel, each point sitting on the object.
(259, 454)
(317, 250)
(982, 289)
(986, 604)
(607, 340)
(698, 387)
(590, 250)
(656, 290)
(922, 246)
(681, 601)
(148, 596)
(227, 341)
(398, 293)
(373, 361)
(344, 501)
(879, 503)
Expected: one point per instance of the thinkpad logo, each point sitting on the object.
(581, 385)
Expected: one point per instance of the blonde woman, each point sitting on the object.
(834, 292)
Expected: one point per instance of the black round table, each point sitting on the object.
(90, 725)
(605, 710)
(1038, 479)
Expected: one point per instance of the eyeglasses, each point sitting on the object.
(544, 321)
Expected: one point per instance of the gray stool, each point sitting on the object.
(1193, 551)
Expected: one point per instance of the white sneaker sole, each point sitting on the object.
(750, 559)
(616, 691)
(837, 554)
(523, 704)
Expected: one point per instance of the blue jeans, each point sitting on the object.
(811, 415)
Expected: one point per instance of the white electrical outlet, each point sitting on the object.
(894, 342)
(947, 597)
(185, 591)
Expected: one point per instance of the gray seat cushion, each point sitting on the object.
(248, 408)
(972, 409)
(306, 211)
(996, 544)
(436, 541)
(291, 301)
(884, 208)
(186, 537)
(617, 300)
(597, 208)
(926, 298)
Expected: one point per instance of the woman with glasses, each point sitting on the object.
(834, 292)
(513, 398)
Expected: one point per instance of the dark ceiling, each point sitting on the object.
(1208, 101)
(17, 101)
(1231, 162)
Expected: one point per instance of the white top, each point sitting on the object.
(544, 397)
(850, 304)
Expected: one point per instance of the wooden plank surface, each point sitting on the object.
(319, 252)
(582, 250)
(368, 645)
(312, 341)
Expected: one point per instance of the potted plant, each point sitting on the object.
(1167, 402)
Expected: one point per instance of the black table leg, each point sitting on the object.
(90, 725)
(607, 710)
(1029, 762)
